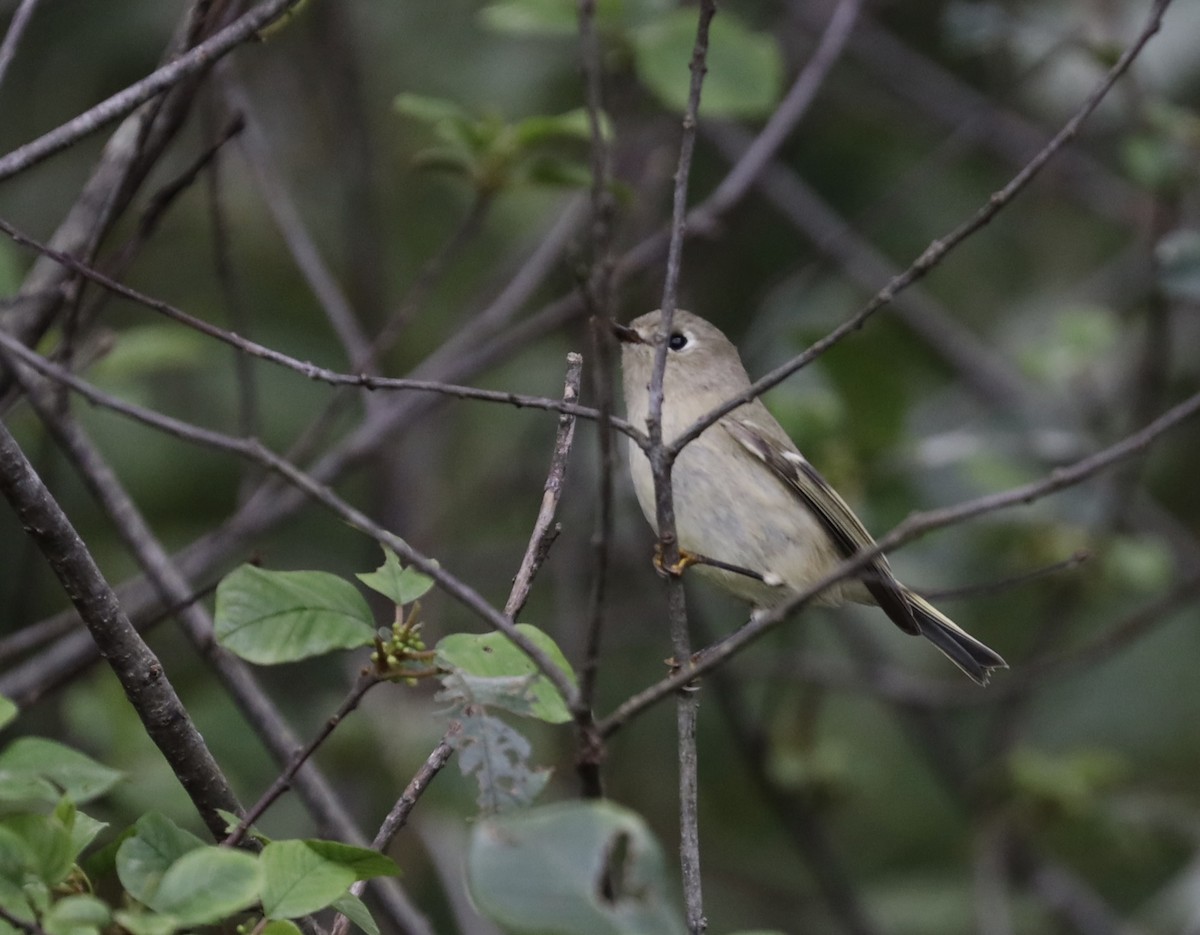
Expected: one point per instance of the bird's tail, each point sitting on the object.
(963, 650)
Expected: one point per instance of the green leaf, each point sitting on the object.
(571, 125)
(268, 617)
(84, 832)
(46, 845)
(21, 792)
(430, 110)
(575, 868)
(498, 673)
(553, 171)
(16, 901)
(146, 350)
(745, 69)
(357, 912)
(141, 922)
(143, 860)
(398, 584)
(280, 927)
(531, 17)
(208, 884)
(82, 828)
(444, 159)
(556, 17)
(297, 880)
(451, 123)
(77, 915)
(30, 760)
(1067, 784)
(365, 862)
(8, 711)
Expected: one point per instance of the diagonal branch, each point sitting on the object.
(132, 661)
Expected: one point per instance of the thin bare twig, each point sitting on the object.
(543, 533)
(687, 702)
(397, 818)
(1005, 584)
(366, 681)
(12, 37)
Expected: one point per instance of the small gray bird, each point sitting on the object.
(747, 500)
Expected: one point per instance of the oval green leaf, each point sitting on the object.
(208, 884)
(69, 772)
(398, 584)
(297, 880)
(745, 69)
(269, 617)
(500, 674)
(143, 859)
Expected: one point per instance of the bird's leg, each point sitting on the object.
(686, 559)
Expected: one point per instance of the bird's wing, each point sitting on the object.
(844, 528)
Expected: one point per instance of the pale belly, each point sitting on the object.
(758, 525)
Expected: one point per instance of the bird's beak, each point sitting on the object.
(625, 334)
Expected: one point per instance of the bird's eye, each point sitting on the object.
(677, 342)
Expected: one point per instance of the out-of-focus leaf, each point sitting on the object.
(1155, 163)
(144, 858)
(269, 617)
(142, 922)
(522, 688)
(8, 711)
(745, 69)
(280, 927)
(575, 868)
(37, 846)
(149, 349)
(1141, 564)
(398, 584)
(1076, 341)
(1178, 256)
(444, 159)
(83, 832)
(431, 110)
(1068, 784)
(32, 760)
(208, 884)
(565, 173)
(77, 915)
(532, 17)
(357, 912)
(572, 125)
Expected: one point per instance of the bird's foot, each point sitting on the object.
(675, 569)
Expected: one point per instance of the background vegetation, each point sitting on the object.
(427, 173)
